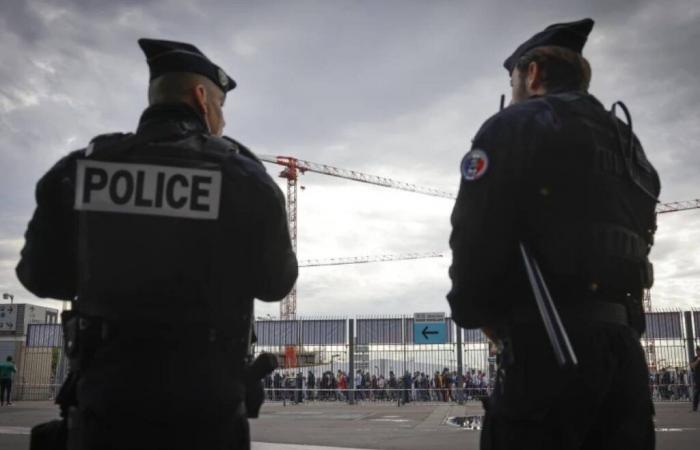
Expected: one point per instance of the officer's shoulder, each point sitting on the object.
(105, 144)
(63, 169)
(107, 138)
(67, 163)
(231, 151)
(520, 117)
(240, 162)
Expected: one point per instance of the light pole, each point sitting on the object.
(6, 296)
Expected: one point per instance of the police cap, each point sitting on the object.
(170, 56)
(571, 35)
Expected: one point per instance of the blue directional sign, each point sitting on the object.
(429, 328)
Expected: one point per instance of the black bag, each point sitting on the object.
(51, 435)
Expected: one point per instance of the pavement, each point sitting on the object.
(366, 426)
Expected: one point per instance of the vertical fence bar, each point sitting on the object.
(689, 335)
(460, 365)
(404, 338)
(690, 343)
(351, 361)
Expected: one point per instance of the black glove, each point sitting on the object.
(255, 392)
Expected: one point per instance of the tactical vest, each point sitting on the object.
(164, 234)
(591, 202)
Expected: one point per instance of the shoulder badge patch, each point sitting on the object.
(474, 164)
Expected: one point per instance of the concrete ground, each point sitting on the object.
(365, 426)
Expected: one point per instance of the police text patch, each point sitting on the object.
(474, 164)
(147, 189)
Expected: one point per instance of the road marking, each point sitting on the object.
(274, 446)
(256, 445)
(389, 420)
(674, 429)
(15, 430)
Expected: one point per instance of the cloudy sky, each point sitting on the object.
(392, 88)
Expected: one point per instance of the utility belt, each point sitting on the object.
(84, 334)
(522, 320)
(588, 312)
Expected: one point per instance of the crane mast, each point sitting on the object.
(288, 306)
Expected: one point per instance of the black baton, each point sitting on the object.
(563, 352)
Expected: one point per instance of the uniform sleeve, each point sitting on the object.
(48, 263)
(278, 264)
(484, 227)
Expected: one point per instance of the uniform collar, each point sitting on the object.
(176, 118)
(568, 95)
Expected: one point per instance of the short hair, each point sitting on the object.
(9, 358)
(175, 87)
(562, 69)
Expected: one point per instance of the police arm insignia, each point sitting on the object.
(474, 165)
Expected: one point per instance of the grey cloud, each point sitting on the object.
(389, 88)
(19, 19)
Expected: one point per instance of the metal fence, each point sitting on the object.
(377, 358)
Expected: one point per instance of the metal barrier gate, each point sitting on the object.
(375, 358)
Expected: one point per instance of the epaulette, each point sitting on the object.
(243, 150)
(102, 139)
(218, 146)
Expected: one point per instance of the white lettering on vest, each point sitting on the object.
(147, 189)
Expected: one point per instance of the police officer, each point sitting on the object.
(162, 238)
(559, 173)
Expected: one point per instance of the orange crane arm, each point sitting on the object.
(367, 259)
(677, 206)
(308, 166)
(304, 166)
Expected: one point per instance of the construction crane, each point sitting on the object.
(663, 208)
(367, 259)
(293, 167)
(677, 206)
(650, 347)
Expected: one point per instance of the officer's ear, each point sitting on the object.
(534, 78)
(201, 102)
(200, 98)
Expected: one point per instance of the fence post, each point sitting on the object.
(404, 338)
(351, 362)
(690, 338)
(460, 364)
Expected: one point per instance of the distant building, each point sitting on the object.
(16, 318)
(40, 369)
(14, 323)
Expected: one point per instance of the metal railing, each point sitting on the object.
(400, 396)
(367, 348)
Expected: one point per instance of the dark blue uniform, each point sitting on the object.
(562, 175)
(163, 238)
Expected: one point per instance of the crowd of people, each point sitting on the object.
(295, 386)
(440, 386)
(671, 383)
